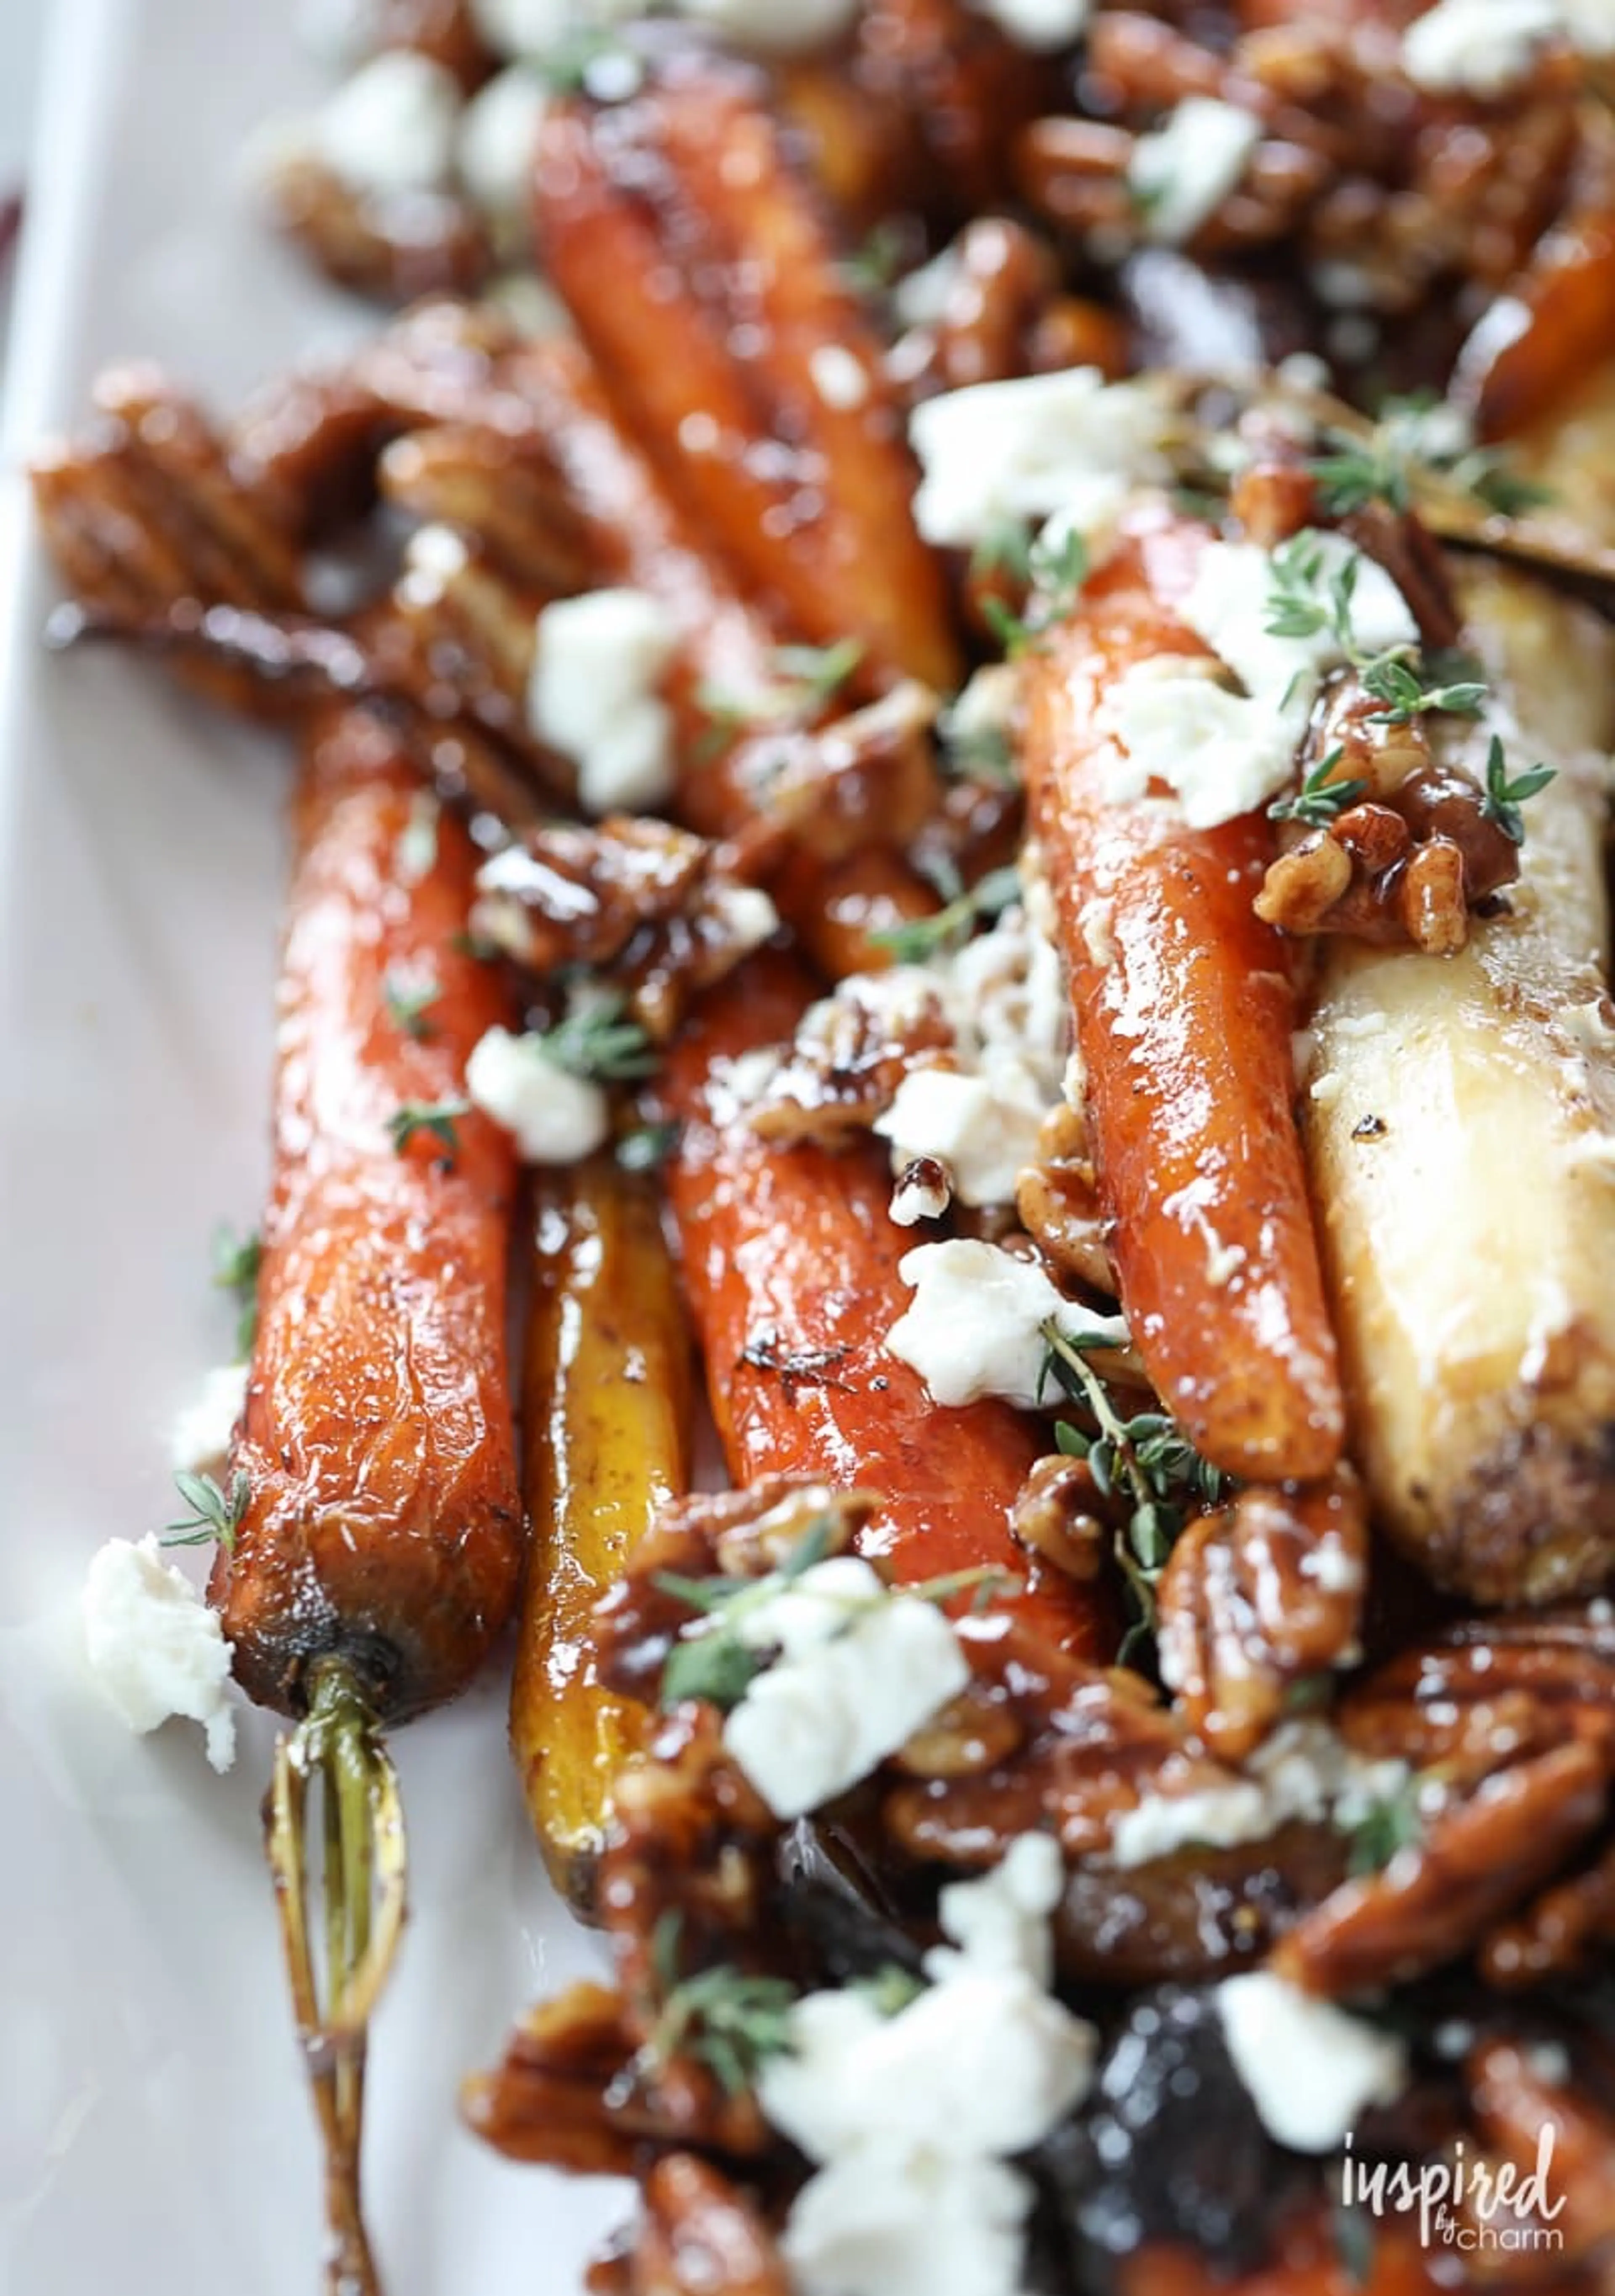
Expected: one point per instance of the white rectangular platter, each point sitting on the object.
(154, 2134)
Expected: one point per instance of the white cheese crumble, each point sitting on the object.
(1221, 753)
(498, 144)
(860, 1670)
(973, 1326)
(1182, 173)
(920, 1195)
(1229, 603)
(839, 377)
(1305, 1770)
(984, 1132)
(1481, 47)
(554, 1116)
(201, 1431)
(391, 127)
(1040, 25)
(1070, 443)
(780, 26)
(592, 694)
(911, 2119)
(985, 707)
(155, 1648)
(1309, 2068)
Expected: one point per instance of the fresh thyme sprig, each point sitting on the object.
(236, 1262)
(1056, 572)
(1319, 800)
(437, 1117)
(408, 1003)
(1410, 687)
(1146, 1461)
(1382, 467)
(718, 1665)
(730, 2019)
(1385, 1827)
(647, 1147)
(873, 266)
(806, 680)
(1303, 601)
(919, 939)
(596, 1042)
(216, 1514)
(1502, 797)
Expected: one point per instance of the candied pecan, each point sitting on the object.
(1478, 1854)
(832, 789)
(151, 517)
(1257, 1597)
(1057, 1198)
(1302, 886)
(1515, 2103)
(1054, 1515)
(1489, 1690)
(651, 910)
(849, 1054)
(499, 483)
(547, 2099)
(1003, 313)
(396, 249)
(1561, 1932)
(702, 2236)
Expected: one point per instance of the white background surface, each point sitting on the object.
(154, 2136)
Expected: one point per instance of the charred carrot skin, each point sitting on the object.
(382, 1522)
(1184, 1010)
(790, 1263)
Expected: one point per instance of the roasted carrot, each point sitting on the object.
(376, 1525)
(1184, 1010)
(804, 486)
(791, 1267)
(606, 1405)
(382, 1524)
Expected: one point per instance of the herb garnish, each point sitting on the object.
(1503, 797)
(1386, 1827)
(236, 1263)
(1146, 1460)
(408, 1003)
(718, 1665)
(595, 1042)
(730, 2019)
(1319, 800)
(647, 1147)
(1382, 468)
(1056, 572)
(919, 939)
(415, 854)
(1301, 603)
(216, 1515)
(436, 1117)
(807, 679)
(1409, 688)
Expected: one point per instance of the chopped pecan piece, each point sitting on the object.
(648, 908)
(396, 249)
(1057, 1198)
(1257, 1597)
(1562, 1932)
(1516, 2102)
(868, 777)
(703, 2236)
(848, 1057)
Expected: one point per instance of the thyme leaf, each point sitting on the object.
(216, 1513)
(1502, 797)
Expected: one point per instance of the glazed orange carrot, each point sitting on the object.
(1183, 1008)
(708, 297)
(790, 1269)
(382, 1523)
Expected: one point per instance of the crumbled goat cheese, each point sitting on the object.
(1303, 1770)
(391, 127)
(984, 1130)
(1481, 47)
(1037, 24)
(840, 379)
(1229, 603)
(1309, 2069)
(155, 1648)
(987, 706)
(340, 33)
(1181, 174)
(782, 26)
(1042, 444)
(911, 2119)
(592, 694)
(1221, 753)
(973, 1327)
(920, 298)
(554, 1116)
(498, 144)
(201, 1431)
(744, 914)
(860, 1668)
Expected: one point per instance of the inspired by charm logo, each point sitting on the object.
(1461, 2203)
